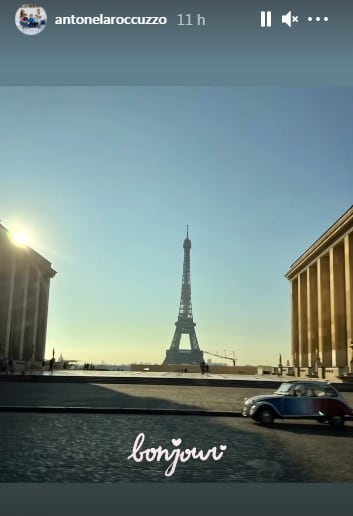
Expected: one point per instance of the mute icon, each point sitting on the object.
(288, 19)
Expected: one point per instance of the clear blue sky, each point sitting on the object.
(104, 181)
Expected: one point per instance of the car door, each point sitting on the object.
(333, 406)
(325, 402)
(296, 404)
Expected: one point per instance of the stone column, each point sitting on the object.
(10, 305)
(5, 284)
(313, 333)
(303, 319)
(324, 310)
(348, 261)
(43, 318)
(338, 306)
(24, 312)
(36, 316)
(295, 323)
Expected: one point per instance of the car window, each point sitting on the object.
(284, 388)
(310, 391)
(330, 391)
(319, 392)
(299, 390)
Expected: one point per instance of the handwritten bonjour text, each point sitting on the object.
(138, 454)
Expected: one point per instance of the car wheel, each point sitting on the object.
(265, 416)
(337, 421)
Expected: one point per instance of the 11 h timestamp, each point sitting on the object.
(188, 20)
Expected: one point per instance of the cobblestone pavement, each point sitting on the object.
(95, 448)
(130, 396)
(120, 395)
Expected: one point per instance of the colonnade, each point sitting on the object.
(24, 296)
(322, 302)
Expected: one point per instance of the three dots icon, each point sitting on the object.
(317, 19)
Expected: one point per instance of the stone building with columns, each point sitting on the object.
(24, 295)
(322, 303)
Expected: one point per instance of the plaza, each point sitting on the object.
(63, 432)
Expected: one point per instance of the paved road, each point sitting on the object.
(95, 448)
(120, 395)
(130, 396)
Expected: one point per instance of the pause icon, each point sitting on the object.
(266, 19)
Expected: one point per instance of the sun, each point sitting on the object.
(19, 238)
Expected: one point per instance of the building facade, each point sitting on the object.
(24, 295)
(322, 301)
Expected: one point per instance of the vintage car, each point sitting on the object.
(299, 400)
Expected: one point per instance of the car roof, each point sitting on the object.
(309, 382)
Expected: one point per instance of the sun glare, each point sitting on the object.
(19, 239)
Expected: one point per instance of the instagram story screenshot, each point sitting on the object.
(176, 257)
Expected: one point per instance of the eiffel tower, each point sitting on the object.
(185, 323)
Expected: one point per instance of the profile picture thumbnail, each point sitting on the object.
(31, 19)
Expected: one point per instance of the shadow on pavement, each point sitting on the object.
(313, 428)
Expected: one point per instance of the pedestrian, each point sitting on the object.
(11, 365)
(202, 367)
(51, 365)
